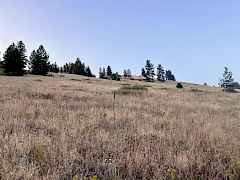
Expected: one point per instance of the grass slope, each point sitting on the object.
(67, 127)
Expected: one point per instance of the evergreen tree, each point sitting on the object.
(66, 68)
(109, 71)
(14, 59)
(54, 68)
(116, 76)
(104, 72)
(22, 51)
(89, 72)
(227, 80)
(170, 76)
(72, 68)
(83, 69)
(127, 73)
(61, 70)
(160, 73)
(100, 73)
(149, 69)
(143, 72)
(39, 60)
(78, 67)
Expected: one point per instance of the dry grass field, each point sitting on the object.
(68, 127)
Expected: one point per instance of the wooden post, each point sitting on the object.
(114, 98)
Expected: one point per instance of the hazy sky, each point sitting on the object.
(195, 39)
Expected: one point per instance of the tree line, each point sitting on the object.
(162, 75)
(108, 74)
(148, 73)
(78, 67)
(16, 63)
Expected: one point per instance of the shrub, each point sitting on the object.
(134, 87)
(132, 90)
(115, 76)
(179, 86)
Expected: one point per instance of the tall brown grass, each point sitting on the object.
(68, 127)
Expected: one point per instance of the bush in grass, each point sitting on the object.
(179, 86)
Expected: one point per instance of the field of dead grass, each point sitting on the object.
(68, 127)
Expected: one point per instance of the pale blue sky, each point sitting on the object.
(195, 39)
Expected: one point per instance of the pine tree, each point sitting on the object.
(54, 68)
(14, 59)
(71, 68)
(143, 72)
(22, 51)
(129, 73)
(170, 76)
(116, 76)
(125, 73)
(61, 70)
(160, 73)
(83, 69)
(100, 73)
(149, 69)
(39, 60)
(109, 71)
(78, 67)
(227, 80)
(89, 72)
(0, 63)
(65, 68)
(104, 72)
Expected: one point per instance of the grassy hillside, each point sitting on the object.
(67, 127)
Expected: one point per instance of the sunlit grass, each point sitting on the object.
(65, 127)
